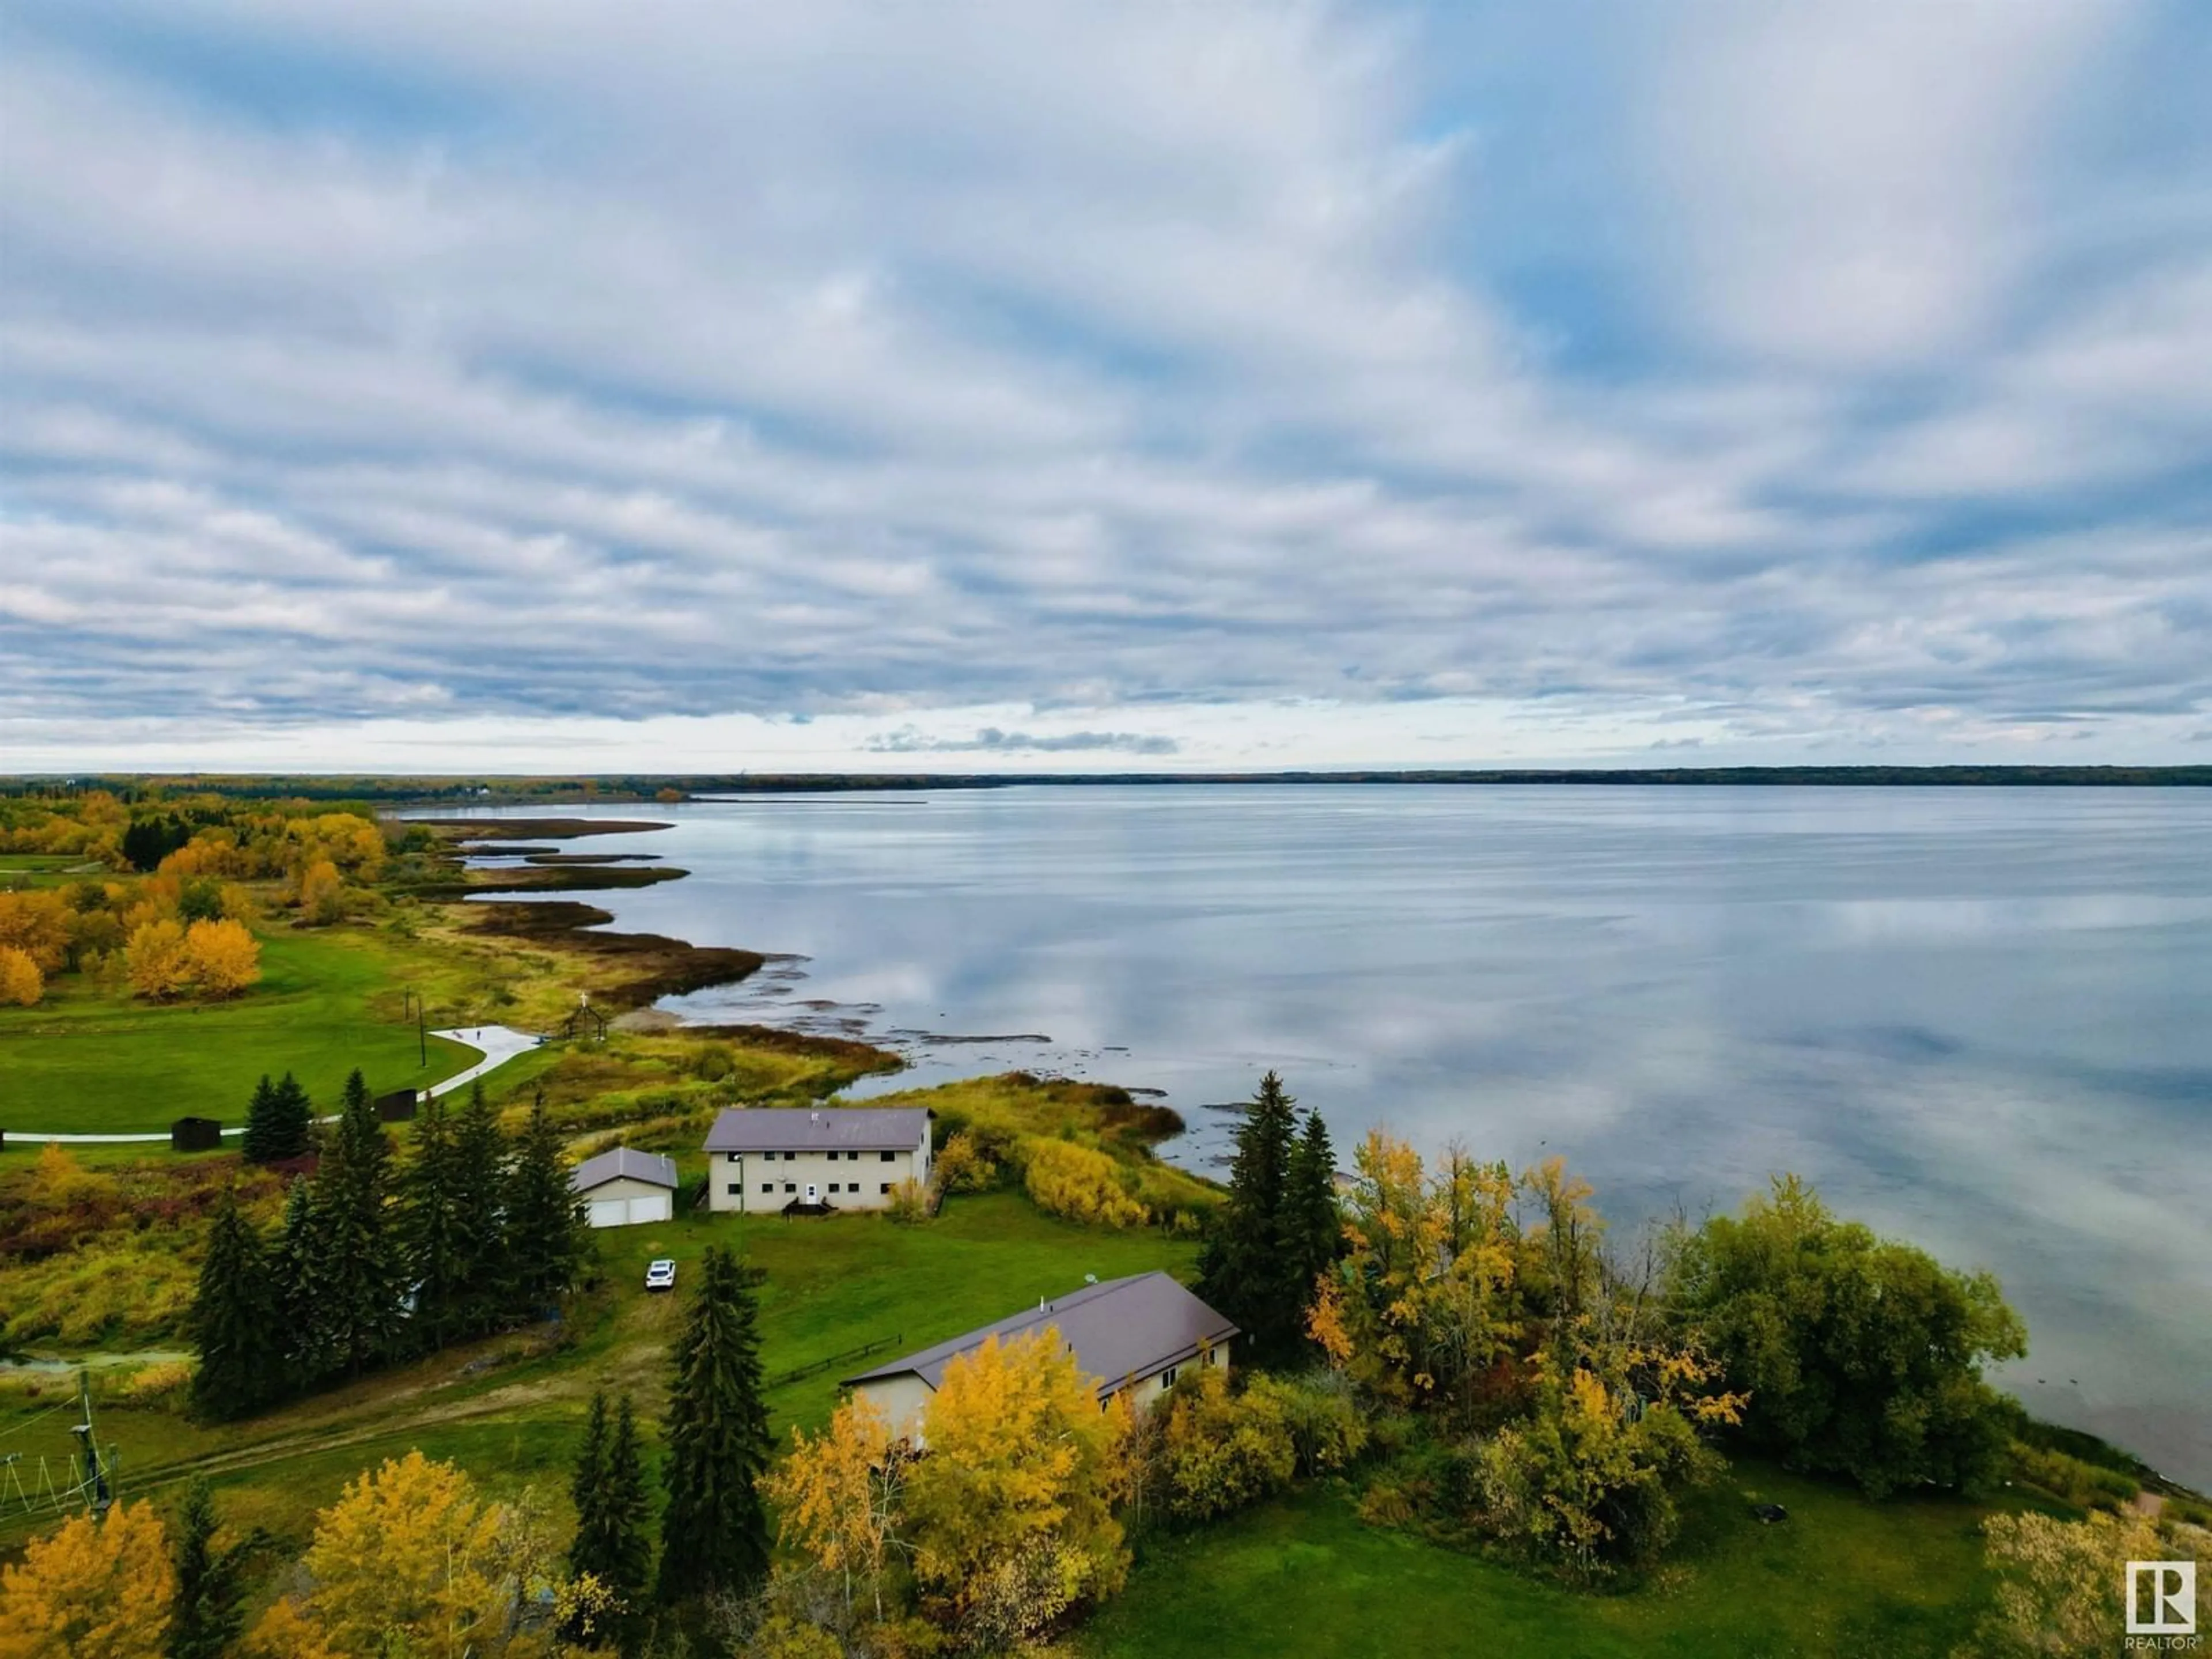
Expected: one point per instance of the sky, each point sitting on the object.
(1037, 386)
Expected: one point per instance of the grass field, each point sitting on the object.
(1841, 1577)
(88, 1061)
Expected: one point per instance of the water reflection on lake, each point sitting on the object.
(1975, 1017)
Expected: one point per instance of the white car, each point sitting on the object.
(661, 1275)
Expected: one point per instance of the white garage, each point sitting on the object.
(624, 1189)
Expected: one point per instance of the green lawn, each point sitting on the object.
(1841, 1577)
(88, 1061)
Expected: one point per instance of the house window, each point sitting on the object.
(886, 1186)
(1167, 1377)
(732, 1157)
(790, 1186)
(888, 1156)
(767, 1186)
(736, 1188)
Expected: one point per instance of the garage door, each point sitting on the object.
(628, 1211)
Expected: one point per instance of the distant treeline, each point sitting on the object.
(670, 788)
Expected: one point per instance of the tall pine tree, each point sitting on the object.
(714, 1530)
(1313, 1224)
(209, 1611)
(295, 1119)
(480, 1163)
(262, 1135)
(236, 1321)
(546, 1237)
(280, 1122)
(299, 1262)
(613, 1514)
(361, 1263)
(1243, 1270)
(433, 1231)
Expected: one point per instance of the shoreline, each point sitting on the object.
(638, 968)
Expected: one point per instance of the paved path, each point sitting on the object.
(497, 1044)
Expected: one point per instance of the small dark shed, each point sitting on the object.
(398, 1107)
(195, 1135)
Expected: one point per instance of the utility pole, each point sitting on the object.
(94, 1482)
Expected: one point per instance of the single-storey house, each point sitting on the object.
(845, 1157)
(1134, 1336)
(622, 1187)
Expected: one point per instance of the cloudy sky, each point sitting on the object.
(426, 386)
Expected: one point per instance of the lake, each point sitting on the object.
(1977, 1019)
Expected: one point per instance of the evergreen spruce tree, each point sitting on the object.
(480, 1161)
(585, 1482)
(236, 1321)
(613, 1514)
(294, 1119)
(360, 1260)
(1313, 1225)
(433, 1235)
(262, 1133)
(626, 1512)
(714, 1529)
(303, 1296)
(546, 1237)
(209, 1613)
(1242, 1270)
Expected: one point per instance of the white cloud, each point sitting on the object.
(564, 362)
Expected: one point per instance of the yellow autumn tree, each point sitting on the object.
(223, 957)
(94, 1589)
(322, 893)
(410, 1559)
(21, 984)
(155, 961)
(1009, 1512)
(840, 1495)
(1220, 1451)
(37, 924)
(1423, 1304)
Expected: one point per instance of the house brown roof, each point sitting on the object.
(818, 1129)
(622, 1163)
(1122, 1331)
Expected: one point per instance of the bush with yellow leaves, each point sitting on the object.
(1079, 1182)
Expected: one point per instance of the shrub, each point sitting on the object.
(1588, 1481)
(964, 1165)
(1082, 1184)
(158, 1382)
(1220, 1451)
(910, 1203)
(1326, 1430)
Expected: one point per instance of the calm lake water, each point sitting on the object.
(1976, 1018)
